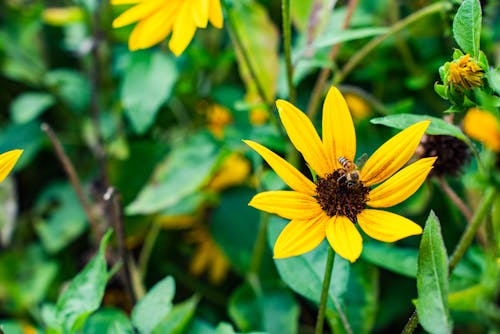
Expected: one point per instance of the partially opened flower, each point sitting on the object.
(338, 200)
(7, 162)
(156, 19)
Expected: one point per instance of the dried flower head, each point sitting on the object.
(466, 73)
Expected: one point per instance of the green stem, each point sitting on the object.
(260, 245)
(287, 41)
(472, 228)
(462, 246)
(361, 54)
(147, 249)
(324, 291)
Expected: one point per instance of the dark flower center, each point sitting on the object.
(453, 154)
(342, 193)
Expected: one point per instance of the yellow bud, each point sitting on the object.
(62, 16)
(484, 127)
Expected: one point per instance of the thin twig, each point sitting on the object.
(73, 178)
(319, 86)
(455, 198)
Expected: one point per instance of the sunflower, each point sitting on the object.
(7, 162)
(157, 18)
(337, 201)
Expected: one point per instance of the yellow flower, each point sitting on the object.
(157, 18)
(358, 106)
(337, 201)
(484, 127)
(466, 73)
(233, 171)
(7, 162)
(218, 117)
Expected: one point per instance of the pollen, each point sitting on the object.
(339, 195)
(466, 73)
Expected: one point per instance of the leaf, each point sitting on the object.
(84, 293)
(432, 279)
(108, 321)
(154, 306)
(348, 35)
(467, 27)
(274, 310)
(179, 317)
(71, 87)
(147, 84)
(258, 38)
(26, 136)
(180, 174)
(28, 106)
(437, 126)
(400, 260)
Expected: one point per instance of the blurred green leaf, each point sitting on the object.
(183, 171)
(27, 136)
(64, 219)
(71, 87)
(147, 84)
(438, 126)
(84, 293)
(467, 26)
(28, 106)
(179, 317)
(259, 38)
(432, 279)
(108, 321)
(274, 310)
(400, 260)
(11, 327)
(225, 328)
(8, 211)
(348, 35)
(154, 306)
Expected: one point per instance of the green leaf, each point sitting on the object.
(400, 260)
(63, 217)
(467, 26)
(179, 318)
(437, 126)
(71, 87)
(259, 38)
(84, 293)
(147, 85)
(432, 279)
(181, 173)
(27, 136)
(274, 310)
(28, 106)
(348, 35)
(108, 321)
(154, 306)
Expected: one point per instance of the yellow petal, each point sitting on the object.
(299, 237)
(183, 31)
(484, 127)
(199, 10)
(339, 138)
(344, 237)
(387, 226)
(393, 154)
(153, 29)
(401, 185)
(304, 137)
(295, 179)
(125, 2)
(287, 204)
(7, 162)
(137, 13)
(215, 13)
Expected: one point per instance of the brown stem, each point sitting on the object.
(455, 199)
(73, 178)
(319, 86)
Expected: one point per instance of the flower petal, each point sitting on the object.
(387, 226)
(295, 179)
(199, 10)
(393, 154)
(287, 204)
(183, 30)
(339, 137)
(401, 185)
(484, 127)
(7, 162)
(344, 237)
(304, 137)
(299, 237)
(153, 29)
(215, 13)
(137, 13)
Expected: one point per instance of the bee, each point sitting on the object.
(349, 172)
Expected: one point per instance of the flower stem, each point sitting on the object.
(462, 246)
(359, 56)
(260, 245)
(287, 41)
(324, 291)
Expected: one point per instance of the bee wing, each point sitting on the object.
(360, 162)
